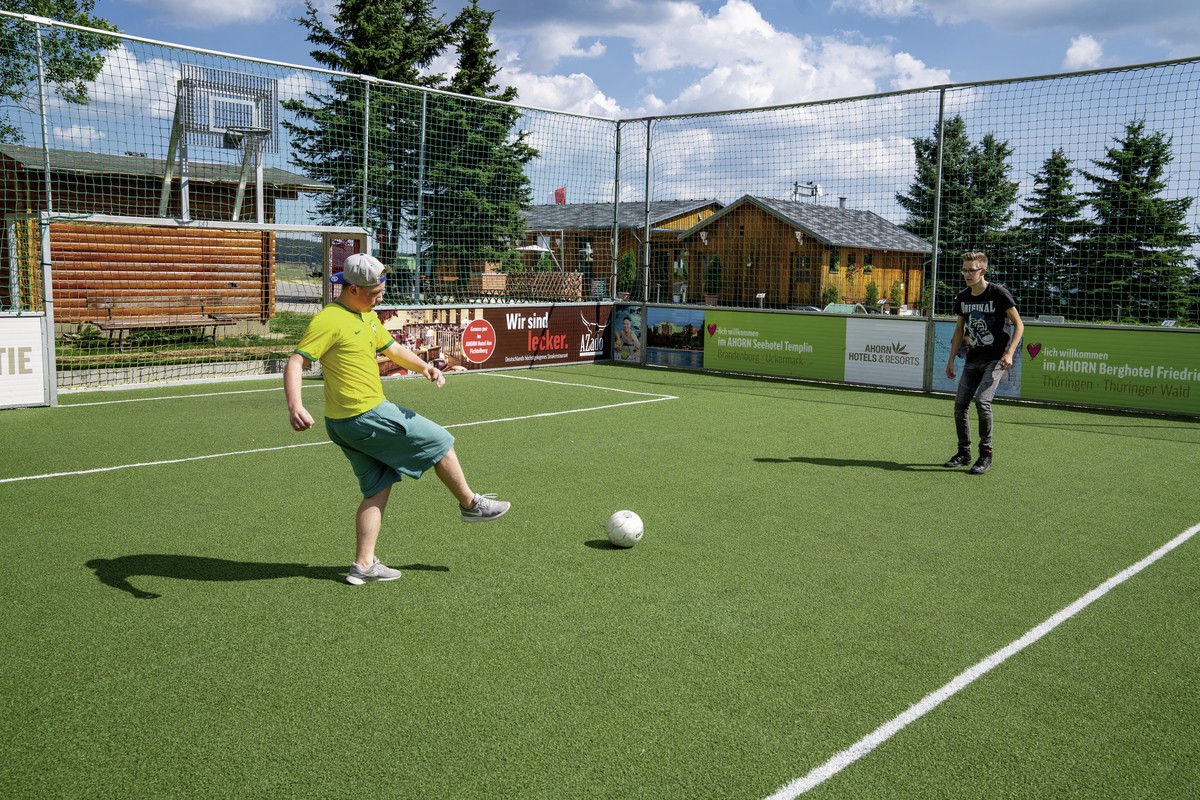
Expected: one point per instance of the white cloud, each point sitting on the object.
(911, 73)
(126, 82)
(772, 68)
(213, 13)
(1084, 53)
(730, 58)
(1174, 24)
(887, 9)
(297, 85)
(82, 136)
(576, 93)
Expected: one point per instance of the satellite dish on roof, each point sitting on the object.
(810, 189)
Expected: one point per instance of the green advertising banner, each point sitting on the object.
(785, 345)
(1155, 370)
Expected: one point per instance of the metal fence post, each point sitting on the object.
(937, 200)
(646, 229)
(616, 223)
(421, 191)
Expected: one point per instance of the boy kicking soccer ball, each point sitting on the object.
(382, 441)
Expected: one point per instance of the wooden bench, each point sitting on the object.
(123, 314)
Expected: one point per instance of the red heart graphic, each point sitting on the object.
(712, 330)
(1034, 349)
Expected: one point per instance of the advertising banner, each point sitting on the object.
(882, 351)
(1148, 369)
(491, 337)
(786, 345)
(627, 334)
(673, 337)
(22, 362)
(943, 336)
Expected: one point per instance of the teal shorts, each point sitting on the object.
(388, 442)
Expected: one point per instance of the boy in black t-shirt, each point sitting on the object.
(986, 312)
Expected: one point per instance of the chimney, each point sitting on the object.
(841, 202)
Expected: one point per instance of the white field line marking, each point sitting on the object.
(932, 700)
(584, 385)
(174, 397)
(157, 463)
(317, 385)
(653, 399)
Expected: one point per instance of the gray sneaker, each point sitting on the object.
(484, 508)
(376, 572)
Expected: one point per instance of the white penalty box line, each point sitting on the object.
(929, 702)
(647, 398)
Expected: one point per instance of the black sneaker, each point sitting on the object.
(981, 464)
(961, 459)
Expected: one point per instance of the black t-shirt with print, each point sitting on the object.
(986, 315)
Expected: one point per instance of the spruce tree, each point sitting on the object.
(976, 197)
(445, 174)
(476, 182)
(395, 40)
(1138, 250)
(1046, 269)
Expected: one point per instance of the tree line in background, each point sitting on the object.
(451, 169)
(1128, 260)
(447, 169)
(71, 58)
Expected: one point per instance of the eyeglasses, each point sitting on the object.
(966, 271)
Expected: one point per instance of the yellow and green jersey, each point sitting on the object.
(346, 343)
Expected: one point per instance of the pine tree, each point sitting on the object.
(445, 175)
(1138, 249)
(71, 58)
(976, 197)
(476, 182)
(395, 40)
(1046, 267)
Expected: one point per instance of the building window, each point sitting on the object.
(801, 268)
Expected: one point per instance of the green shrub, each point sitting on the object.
(626, 272)
(872, 296)
(712, 276)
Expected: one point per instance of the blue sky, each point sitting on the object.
(630, 58)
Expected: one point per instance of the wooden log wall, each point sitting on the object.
(130, 263)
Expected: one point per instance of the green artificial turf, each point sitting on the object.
(809, 571)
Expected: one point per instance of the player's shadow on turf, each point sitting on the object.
(890, 466)
(116, 572)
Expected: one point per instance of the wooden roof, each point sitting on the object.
(31, 158)
(592, 216)
(831, 225)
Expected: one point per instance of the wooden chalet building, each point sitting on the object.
(230, 268)
(792, 251)
(578, 237)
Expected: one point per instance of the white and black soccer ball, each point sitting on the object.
(624, 529)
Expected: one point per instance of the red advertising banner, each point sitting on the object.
(495, 337)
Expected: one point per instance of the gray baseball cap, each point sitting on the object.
(361, 270)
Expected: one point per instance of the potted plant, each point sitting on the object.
(871, 299)
(626, 275)
(712, 281)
